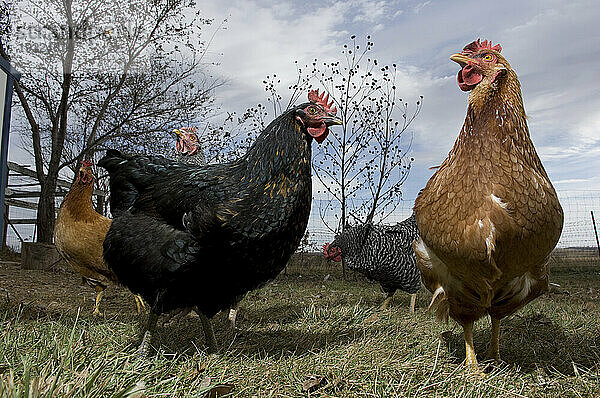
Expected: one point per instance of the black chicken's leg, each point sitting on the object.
(209, 334)
(142, 351)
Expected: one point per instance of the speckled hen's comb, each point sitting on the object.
(314, 97)
(87, 163)
(475, 46)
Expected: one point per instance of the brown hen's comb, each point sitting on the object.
(87, 163)
(477, 45)
(189, 129)
(314, 97)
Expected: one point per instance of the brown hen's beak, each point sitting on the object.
(177, 132)
(332, 119)
(460, 59)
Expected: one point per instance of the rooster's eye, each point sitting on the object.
(488, 57)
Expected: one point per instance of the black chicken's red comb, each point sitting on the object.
(314, 97)
(477, 45)
(87, 163)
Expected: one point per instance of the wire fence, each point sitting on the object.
(578, 232)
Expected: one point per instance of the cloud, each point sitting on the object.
(551, 44)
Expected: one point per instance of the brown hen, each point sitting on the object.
(79, 233)
(489, 217)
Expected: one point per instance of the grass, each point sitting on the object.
(303, 335)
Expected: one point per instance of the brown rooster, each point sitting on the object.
(79, 233)
(489, 217)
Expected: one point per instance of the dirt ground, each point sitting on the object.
(59, 291)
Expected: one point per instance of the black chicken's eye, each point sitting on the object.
(312, 110)
(193, 138)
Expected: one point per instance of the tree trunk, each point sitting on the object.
(45, 215)
(100, 205)
(46, 211)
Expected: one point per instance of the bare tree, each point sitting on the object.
(363, 165)
(99, 73)
(6, 8)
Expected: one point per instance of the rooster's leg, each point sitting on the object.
(471, 359)
(209, 333)
(99, 293)
(232, 315)
(493, 351)
(413, 299)
(142, 351)
(387, 301)
(139, 303)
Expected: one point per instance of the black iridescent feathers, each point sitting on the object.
(204, 236)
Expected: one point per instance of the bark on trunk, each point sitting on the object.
(46, 211)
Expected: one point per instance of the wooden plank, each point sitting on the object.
(32, 194)
(21, 203)
(12, 166)
(22, 221)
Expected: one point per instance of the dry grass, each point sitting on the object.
(301, 335)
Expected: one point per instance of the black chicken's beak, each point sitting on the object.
(332, 120)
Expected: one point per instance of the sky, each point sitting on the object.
(554, 46)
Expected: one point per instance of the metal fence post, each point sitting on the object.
(596, 232)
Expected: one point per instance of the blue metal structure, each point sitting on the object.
(8, 76)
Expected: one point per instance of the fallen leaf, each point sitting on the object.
(313, 382)
(372, 318)
(218, 390)
(139, 391)
(205, 382)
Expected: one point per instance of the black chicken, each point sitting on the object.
(383, 253)
(204, 236)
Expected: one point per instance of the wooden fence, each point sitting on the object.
(16, 195)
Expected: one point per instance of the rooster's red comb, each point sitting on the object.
(314, 97)
(477, 45)
(87, 163)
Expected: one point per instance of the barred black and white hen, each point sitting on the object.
(382, 253)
